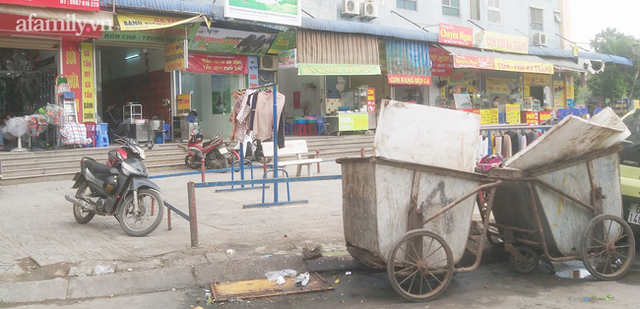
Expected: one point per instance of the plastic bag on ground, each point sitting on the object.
(273, 275)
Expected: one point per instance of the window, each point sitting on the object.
(536, 18)
(475, 9)
(406, 4)
(494, 13)
(451, 7)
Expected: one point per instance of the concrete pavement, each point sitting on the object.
(46, 255)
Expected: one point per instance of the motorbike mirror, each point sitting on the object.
(123, 129)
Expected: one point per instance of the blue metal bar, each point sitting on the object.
(238, 189)
(242, 160)
(180, 213)
(275, 142)
(275, 204)
(285, 174)
(265, 181)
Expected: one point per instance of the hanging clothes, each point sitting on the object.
(523, 140)
(498, 143)
(263, 119)
(244, 110)
(515, 142)
(506, 146)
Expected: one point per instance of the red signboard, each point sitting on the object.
(408, 80)
(456, 35)
(84, 5)
(213, 64)
(69, 27)
(441, 62)
(531, 118)
(371, 100)
(71, 69)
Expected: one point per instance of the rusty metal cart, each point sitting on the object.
(415, 219)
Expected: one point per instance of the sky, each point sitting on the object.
(589, 17)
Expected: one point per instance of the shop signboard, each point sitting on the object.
(70, 26)
(281, 12)
(82, 5)
(228, 41)
(455, 35)
(72, 70)
(621, 106)
(253, 71)
(338, 69)
(88, 89)
(571, 103)
(135, 22)
(412, 80)
(498, 64)
(283, 41)
(544, 116)
(441, 62)
(512, 112)
(501, 42)
(183, 103)
(531, 118)
(176, 56)
(353, 122)
(558, 93)
(287, 59)
(214, 64)
(489, 116)
(371, 100)
(157, 36)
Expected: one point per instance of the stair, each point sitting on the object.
(41, 166)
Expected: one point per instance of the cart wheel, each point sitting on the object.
(421, 255)
(530, 262)
(608, 247)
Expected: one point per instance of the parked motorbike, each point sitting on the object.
(215, 153)
(252, 149)
(120, 188)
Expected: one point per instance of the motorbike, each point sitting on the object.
(252, 149)
(120, 188)
(214, 151)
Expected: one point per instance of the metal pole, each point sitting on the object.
(241, 162)
(318, 156)
(202, 168)
(168, 218)
(193, 218)
(275, 142)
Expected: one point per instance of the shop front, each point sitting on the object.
(338, 79)
(407, 66)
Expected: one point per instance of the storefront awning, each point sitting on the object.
(489, 60)
(562, 65)
(134, 22)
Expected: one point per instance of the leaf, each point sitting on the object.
(337, 281)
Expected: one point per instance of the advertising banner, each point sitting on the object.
(503, 42)
(371, 100)
(253, 71)
(130, 22)
(227, 41)
(213, 64)
(338, 69)
(455, 35)
(486, 63)
(441, 62)
(512, 112)
(70, 26)
(544, 116)
(531, 118)
(72, 70)
(284, 41)
(281, 12)
(353, 122)
(88, 89)
(287, 59)
(489, 116)
(558, 94)
(183, 103)
(176, 56)
(159, 36)
(83, 5)
(408, 80)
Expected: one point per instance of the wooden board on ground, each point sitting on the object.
(264, 288)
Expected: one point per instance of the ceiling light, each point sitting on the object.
(131, 56)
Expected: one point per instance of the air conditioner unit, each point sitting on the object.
(369, 9)
(268, 63)
(350, 7)
(540, 39)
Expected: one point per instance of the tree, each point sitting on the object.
(616, 80)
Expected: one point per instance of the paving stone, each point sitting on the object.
(20, 292)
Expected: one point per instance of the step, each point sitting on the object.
(12, 172)
(75, 161)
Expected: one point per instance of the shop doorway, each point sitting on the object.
(538, 93)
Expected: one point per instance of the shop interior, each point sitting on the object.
(134, 82)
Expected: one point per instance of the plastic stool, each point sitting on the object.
(300, 129)
(312, 129)
(288, 129)
(322, 128)
(91, 132)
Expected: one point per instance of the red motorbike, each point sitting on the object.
(215, 153)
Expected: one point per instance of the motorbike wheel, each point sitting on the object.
(82, 216)
(190, 162)
(231, 157)
(147, 218)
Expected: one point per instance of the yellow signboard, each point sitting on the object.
(183, 103)
(353, 122)
(558, 94)
(489, 116)
(512, 113)
(88, 93)
(506, 43)
(129, 22)
(175, 56)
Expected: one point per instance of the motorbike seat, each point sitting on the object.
(100, 170)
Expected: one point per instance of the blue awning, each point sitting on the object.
(553, 52)
(367, 28)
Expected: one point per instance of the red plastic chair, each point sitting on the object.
(91, 132)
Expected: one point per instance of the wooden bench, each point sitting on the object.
(292, 147)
